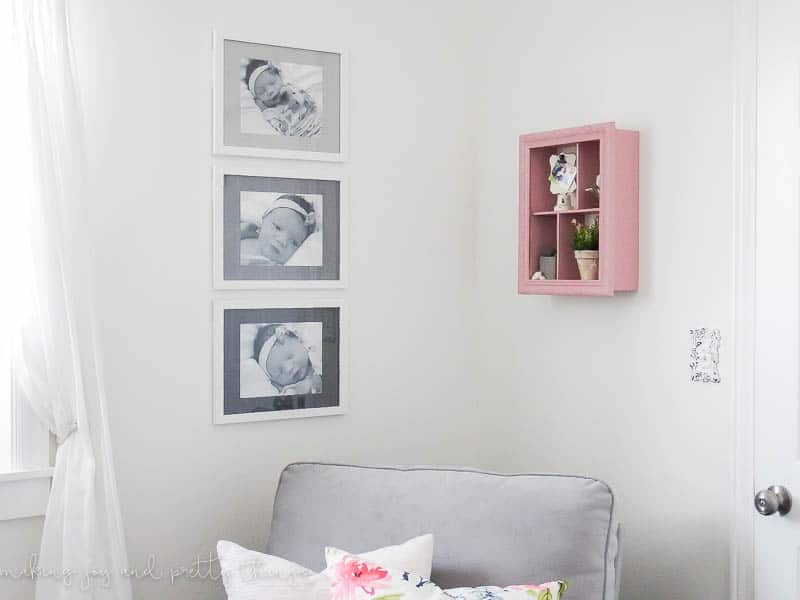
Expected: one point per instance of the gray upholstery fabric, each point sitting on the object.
(489, 528)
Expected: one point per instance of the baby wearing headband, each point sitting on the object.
(285, 359)
(285, 107)
(284, 227)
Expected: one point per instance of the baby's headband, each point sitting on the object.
(309, 217)
(280, 332)
(315, 358)
(251, 82)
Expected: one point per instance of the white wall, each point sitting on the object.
(185, 483)
(19, 540)
(598, 385)
(439, 93)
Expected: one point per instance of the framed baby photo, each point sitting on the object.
(279, 100)
(278, 360)
(278, 228)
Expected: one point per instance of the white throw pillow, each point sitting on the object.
(250, 575)
(415, 555)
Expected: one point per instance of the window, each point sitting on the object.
(24, 441)
(5, 409)
(24, 449)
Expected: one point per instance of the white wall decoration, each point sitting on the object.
(704, 355)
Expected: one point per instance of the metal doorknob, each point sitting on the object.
(774, 499)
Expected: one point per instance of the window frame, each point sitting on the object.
(25, 490)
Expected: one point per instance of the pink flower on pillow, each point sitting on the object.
(350, 575)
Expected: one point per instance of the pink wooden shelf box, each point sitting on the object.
(603, 150)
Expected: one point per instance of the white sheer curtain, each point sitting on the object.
(57, 366)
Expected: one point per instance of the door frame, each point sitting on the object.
(744, 47)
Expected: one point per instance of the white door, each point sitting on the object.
(777, 296)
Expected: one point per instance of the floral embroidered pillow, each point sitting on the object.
(553, 590)
(353, 578)
(250, 575)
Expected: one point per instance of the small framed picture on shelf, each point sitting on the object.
(279, 100)
(278, 228)
(563, 173)
(278, 360)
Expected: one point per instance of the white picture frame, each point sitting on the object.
(220, 306)
(220, 147)
(297, 172)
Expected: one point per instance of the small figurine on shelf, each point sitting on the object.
(595, 188)
(564, 202)
(562, 178)
(538, 276)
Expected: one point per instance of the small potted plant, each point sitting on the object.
(586, 244)
(547, 263)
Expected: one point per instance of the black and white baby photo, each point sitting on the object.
(281, 229)
(281, 98)
(276, 231)
(279, 101)
(276, 362)
(280, 359)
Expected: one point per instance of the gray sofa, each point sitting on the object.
(489, 528)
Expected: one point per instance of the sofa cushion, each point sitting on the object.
(490, 528)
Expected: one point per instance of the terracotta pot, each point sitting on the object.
(587, 263)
